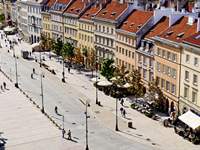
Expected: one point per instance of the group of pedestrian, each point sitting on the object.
(3, 87)
(69, 134)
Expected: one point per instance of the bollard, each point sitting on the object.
(130, 124)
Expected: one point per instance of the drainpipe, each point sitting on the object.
(179, 82)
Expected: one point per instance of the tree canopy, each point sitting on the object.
(108, 68)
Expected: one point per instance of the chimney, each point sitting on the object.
(198, 25)
(191, 20)
(121, 1)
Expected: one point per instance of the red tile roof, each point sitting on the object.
(180, 30)
(112, 10)
(50, 3)
(136, 20)
(63, 1)
(76, 7)
(158, 28)
(194, 39)
(90, 12)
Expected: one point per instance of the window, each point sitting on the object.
(126, 52)
(133, 55)
(122, 50)
(168, 71)
(187, 59)
(174, 57)
(144, 74)
(173, 89)
(195, 79)
(167, 85)
(186, 91)
(173, 73)
(158, 51)
(139, 58)
(186, 75)
(196, 61)
(194, 96)
(163, 53)
(117, 48)
(162, 83)
(158, 66)
(168, 55)
(144, 60)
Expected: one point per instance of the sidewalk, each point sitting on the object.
(25, 127)
(146, 130)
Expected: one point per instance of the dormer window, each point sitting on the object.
(113, 13)
(87, 14)
(139, 26)
(77, 10)
(170, 32)
(125, 22)
(180, 35)
(131, 24)
(71, 9)
(104, 12)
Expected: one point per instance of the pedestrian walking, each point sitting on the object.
(122, 102)
(33, 70)
(63, 133)
(69, 135)
(121, 110)
(2, 88)
(124, 113)
(68, 69)
(4, 85)
(31, 75)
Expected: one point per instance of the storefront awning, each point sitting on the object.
(190, 119)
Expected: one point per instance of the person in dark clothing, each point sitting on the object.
(122, 102)
(69, 135)
(124, 113)
(4, 85)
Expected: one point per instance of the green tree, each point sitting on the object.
(85, 54)
(108, 69)
(156, 95)
(137, 88)
(57, 47)
(43, 42)
(2, 17)
(68, 51)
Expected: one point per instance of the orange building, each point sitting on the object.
(168, 58)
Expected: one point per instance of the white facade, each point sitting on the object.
(22, 18)
(190, 79)
(34, 20)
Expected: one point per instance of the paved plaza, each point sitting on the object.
(70, 97)
(25, 127)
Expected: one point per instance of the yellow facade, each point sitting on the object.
(125, 51)
(46, 23)
(86, 35)
(167, 71)
(71, 30)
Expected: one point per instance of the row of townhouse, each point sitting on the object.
(163, 44)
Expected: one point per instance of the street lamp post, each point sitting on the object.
(86, 129)
(40, 60)
(97, 100)
(42, 92)
(116, 125)
(16, 72)
(63, 73)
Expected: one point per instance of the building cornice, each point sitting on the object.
(167, 42)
